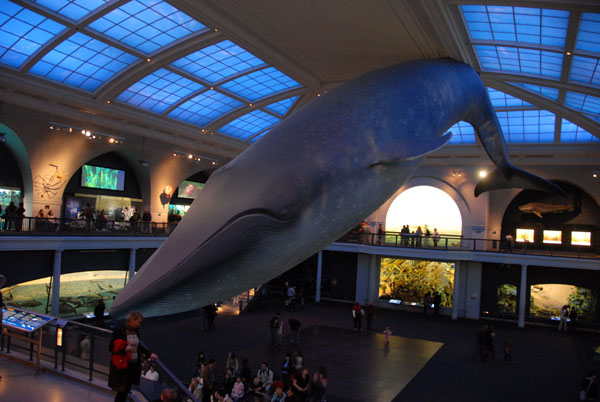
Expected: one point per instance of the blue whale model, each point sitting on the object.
(313, 178)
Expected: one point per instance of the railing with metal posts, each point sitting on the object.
(83, 350)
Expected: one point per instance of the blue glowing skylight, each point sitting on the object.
(520, 60)
(249, 124)
(462, 133)
(527, 126)
(146, 25)
(588, 37)
(218, 62)
(73, 9)
(82, 62)
(586, 70)
(204, 108)
(22, 32)
(588, 104)
(282, 107)
(573, 133)
(158, 91)
(254, 139)
(550, 93)
(517, 24)
(260, 84)
(502, 100)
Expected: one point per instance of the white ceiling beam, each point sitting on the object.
(569, 86)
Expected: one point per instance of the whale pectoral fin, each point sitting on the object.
(395, 152)
(517, 178)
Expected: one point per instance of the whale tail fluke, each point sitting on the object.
(516, 178)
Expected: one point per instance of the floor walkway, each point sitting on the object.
(548, 365)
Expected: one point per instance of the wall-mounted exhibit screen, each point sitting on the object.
(101, 177)
(410, 280)
(552, 236)
(189, 189)
(181, 209)
(525, 235)
(581, 238)
(547, 300)
(8, 194)
(79, 292)
(507, 298)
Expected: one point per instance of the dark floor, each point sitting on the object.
(548, 365)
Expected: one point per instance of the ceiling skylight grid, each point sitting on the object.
(520, 60)
(23, 32)
(218, 62)
(588, 37)
(146, 25)
(585, 70)
(82, 62)
(249, 124)
(502, 100)
(282, 107)
(548, 92)
(158, 91)
(462, 133)
(588, 104)
(205, 108)
(517, 24)
(72, 9)
(259, 136)
(260, 84)
(573, 133)
(527, 126)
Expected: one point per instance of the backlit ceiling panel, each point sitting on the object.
(533, 43)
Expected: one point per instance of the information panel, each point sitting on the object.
(24, 320)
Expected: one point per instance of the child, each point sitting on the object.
(387, 332)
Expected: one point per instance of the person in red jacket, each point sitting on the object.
(357, 313)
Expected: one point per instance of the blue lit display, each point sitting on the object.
(22, 32)
(527, 126)
(73, 9)
(82, 62)
(588, 104)
(550, 93)
(520, 60)
(572, 133)
(462, 133)
(260, 84)
(282, 107)
(218, 62)
(146, 25)
(204, 108)
(517, 24)
(502, 100)
(249, 124)
(588, 37)
(158, 91)
(586, 70)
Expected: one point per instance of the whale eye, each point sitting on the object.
(284, 212)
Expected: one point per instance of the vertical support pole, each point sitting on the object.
(319, 274)
(456, 295)
(56, 282)
(132, 262)
(522, 296)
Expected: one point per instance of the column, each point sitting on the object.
(319, 274)
(456, 295)
(522, 296)
(56, 283)
(132, 262)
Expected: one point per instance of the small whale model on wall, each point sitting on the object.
(314, 177)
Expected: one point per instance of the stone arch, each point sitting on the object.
(21, 156)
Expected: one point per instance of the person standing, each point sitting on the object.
(357, 313)
(273, 327)
(99, 313)
(435, 237)
(125, 363)
(20, 213)
(387, 332)
(437, 300)
(208, 380)
(295, 328)
(146, 219)
(564, 314)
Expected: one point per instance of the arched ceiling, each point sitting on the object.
(214, 76)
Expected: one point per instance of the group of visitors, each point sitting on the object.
(414, 238)
(567, 314)
(358, 312)
(291, 383)
(13, 216)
